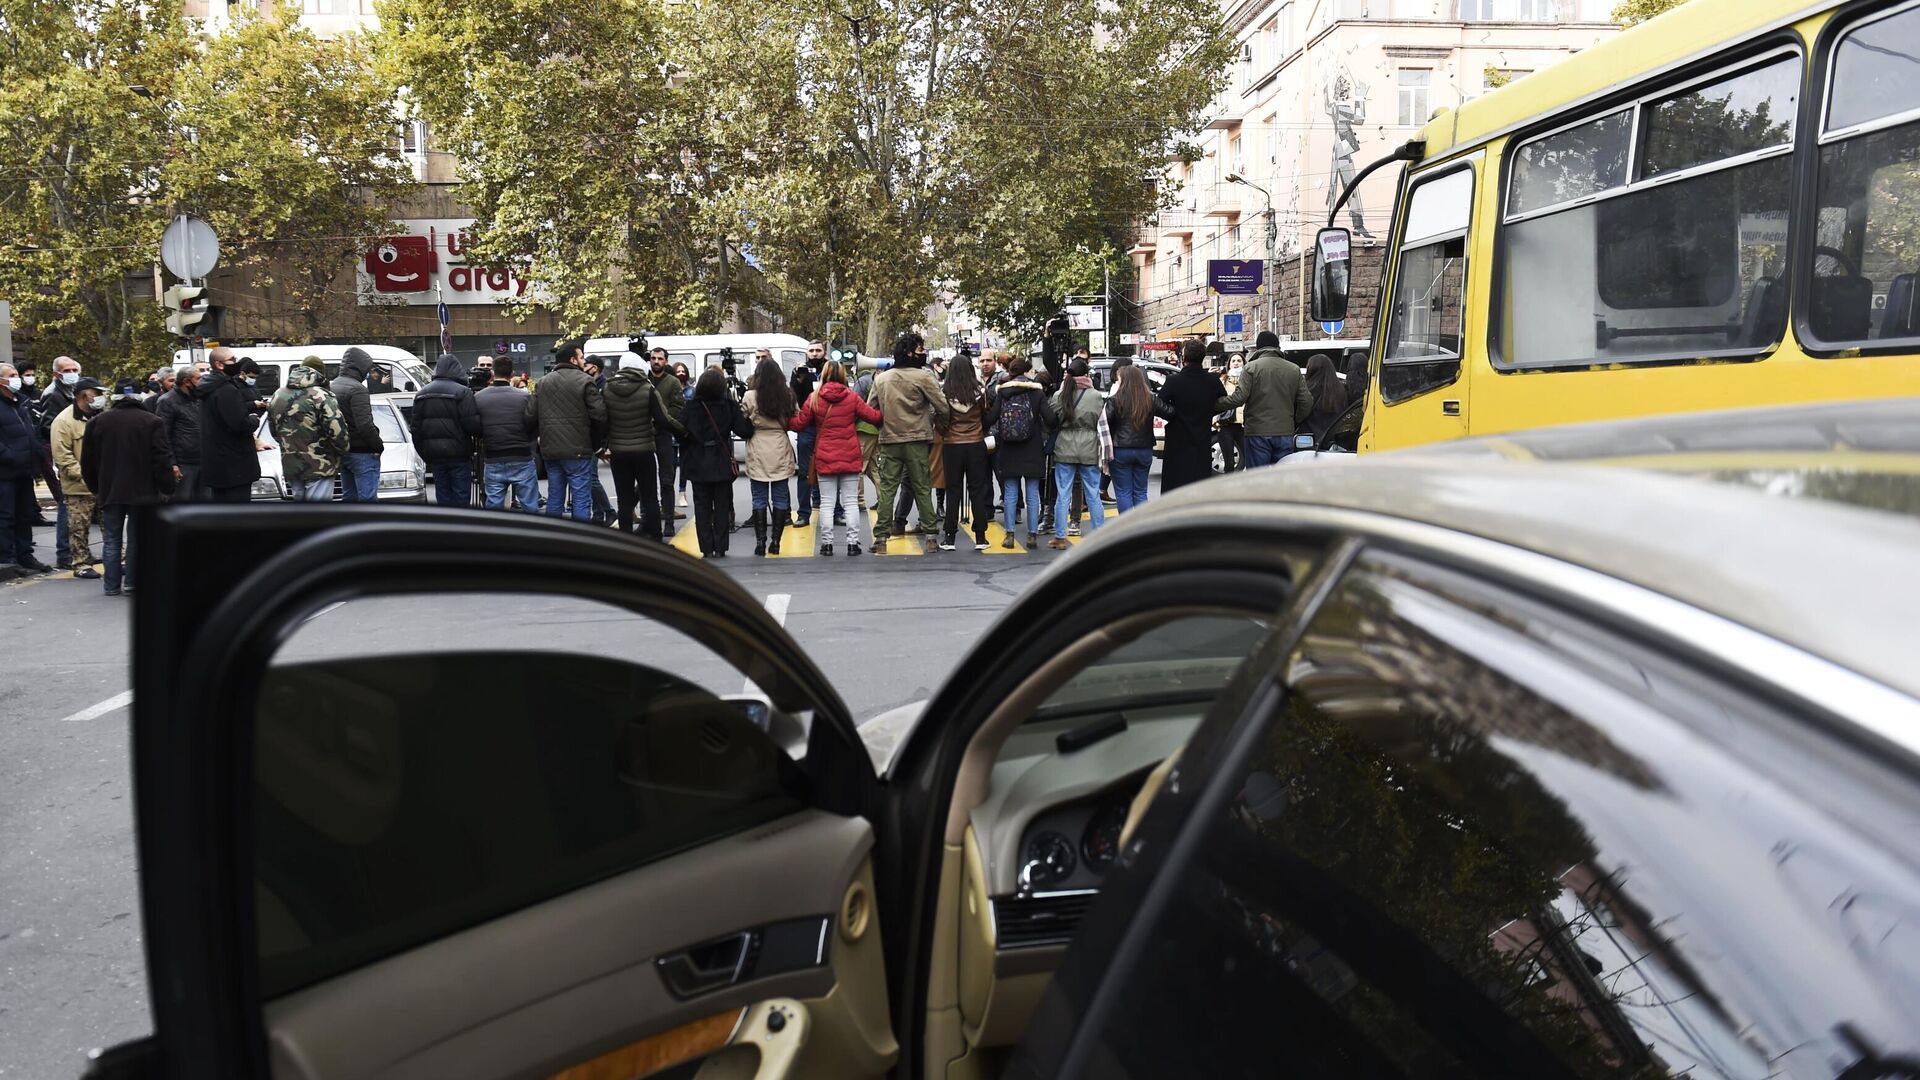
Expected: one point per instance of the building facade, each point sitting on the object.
(1321, 89)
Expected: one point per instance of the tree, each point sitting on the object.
(117, 114)
(1635, 12)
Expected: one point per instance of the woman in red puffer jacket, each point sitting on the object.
(832, 413)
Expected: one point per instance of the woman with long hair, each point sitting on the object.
(712, 421)
(1329, 395)
(1020, 446)
(832, 416)
(1130, 412)
(1082, 448)
(770, 459)
(807, 497)
(1233, 427)
(1188, 398)
(964, 452)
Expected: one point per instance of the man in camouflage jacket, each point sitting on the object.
(306, 422)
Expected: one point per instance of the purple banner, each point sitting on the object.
(1235, 277)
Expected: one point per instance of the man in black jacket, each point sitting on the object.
(126, 462)
(179, 413)
(360, 469)
(506, 436)
(229, 462)
(19, 464)
(445, 421)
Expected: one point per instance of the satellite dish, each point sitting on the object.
(189, 249)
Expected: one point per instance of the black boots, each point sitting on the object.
(779, 527)
(759, 532)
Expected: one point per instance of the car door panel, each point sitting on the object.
(554, 985)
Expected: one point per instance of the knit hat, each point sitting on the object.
(1267, 339)
(631, 360)
(316, 364)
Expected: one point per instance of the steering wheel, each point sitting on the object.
(1838, 256)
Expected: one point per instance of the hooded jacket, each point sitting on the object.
(178, 410)
(68, 436)
(305, 421)
(636, 411)
(1078, 442)
(910, 400)
(445, 419)
(356, 407)
(127, 461)
(1274, 392)
(227, 456)
(834, 414)
(569, 413)
(505, 428)
(1027, 459)
(19, 443)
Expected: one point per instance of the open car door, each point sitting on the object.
(431, 793)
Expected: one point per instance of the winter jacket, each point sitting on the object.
(127, 460)
(306, 422)
(69, 434)
(675, 393)
(1274, 392)
(834, 414)
(707, 457)
(181, 414)
(909, 400)
(506, 431)
(769, 452)
(1128, 437)
(445, 419)
(356, 407)
(19, 440)
(637, 410)
(1027, 459)
(51, 403)
(227, 456)
(969, 425)
(569, 414)
(1078, 442)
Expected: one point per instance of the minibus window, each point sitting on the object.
(1429, 289)
(1867, 250)
(1583, 160)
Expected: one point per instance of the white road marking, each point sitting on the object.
(95, 712)
(777, 604)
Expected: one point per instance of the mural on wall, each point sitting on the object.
(1345, 101)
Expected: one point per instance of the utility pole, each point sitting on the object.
(1273, 269)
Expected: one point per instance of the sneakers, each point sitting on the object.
(802, 521)
(1073, 528)
(826, 549)
(1058, 544)
(854, 549)
(979, 544)
(1007, 542)
(87, 573)
(946, 543)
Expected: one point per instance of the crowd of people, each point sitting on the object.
(939, 441)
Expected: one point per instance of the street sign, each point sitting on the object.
(1086, 317)
(1234, 341)
(1130, 339)
(189, 248)
(1097, 342)
(1233, 324)
(1334, 326)
(1236, 277)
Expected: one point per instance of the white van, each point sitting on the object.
(405, 370)
(701, 351)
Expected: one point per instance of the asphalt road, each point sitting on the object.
(887, 631)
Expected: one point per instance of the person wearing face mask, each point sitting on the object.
(54, 400)
(229, 464)
(180, 416)
(19, 463)
(1233, 429)
(30, 395)
(158, 384)
(68, 441)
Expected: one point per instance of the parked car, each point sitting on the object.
(1102, 368)
(403, 475)
(403, 369)
(1434, 765)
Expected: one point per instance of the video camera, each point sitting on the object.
(637, 345)
(1056, 345)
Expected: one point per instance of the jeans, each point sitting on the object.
(841, 490)
(311, 490)
(1010, 503)
(967, 469)
(712, 506)
(770, 491)
(570, 476)
(636, 482)
(1064, 474)
(499, 476)
(17, 511)
(360, 478)
(1131, 466)
(808, 498)
(1267, 449)
(117, 544)
(904, 464)
(453, 483)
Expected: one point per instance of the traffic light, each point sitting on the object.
(844, 354)
(192, 315)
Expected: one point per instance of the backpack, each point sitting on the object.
(1016, 418)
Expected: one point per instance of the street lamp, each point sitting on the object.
(1273, 236)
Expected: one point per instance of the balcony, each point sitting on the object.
(1223, 200)
(1227, 113)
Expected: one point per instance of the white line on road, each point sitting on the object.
(777, 604)
(95, 712)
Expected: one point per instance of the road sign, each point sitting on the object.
(1130, 339)
(1086, 316)
(1236, 277)
(1234, 341)
(189, 248)
(1097, 342)
(1233, 324)
(1334, 326)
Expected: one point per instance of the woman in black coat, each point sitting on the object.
(1190, 393)
(1020, 464)
(712, 420)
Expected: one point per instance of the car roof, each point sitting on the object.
(1838, 581)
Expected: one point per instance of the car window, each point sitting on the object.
(417, 774)
(387, 421)
(1478, 838)
(1182, 662)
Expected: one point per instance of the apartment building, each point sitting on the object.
(1320, 89)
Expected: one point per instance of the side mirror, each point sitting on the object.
(1332, 274)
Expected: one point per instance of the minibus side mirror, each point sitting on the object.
(1332, 274)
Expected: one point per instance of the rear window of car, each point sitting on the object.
(387, 420)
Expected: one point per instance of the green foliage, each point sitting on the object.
(117, 115)
(1634, 12)
(1495, 78)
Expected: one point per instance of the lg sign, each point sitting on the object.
(427, 265)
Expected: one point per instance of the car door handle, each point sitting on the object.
(709, 965)
(1450, 407)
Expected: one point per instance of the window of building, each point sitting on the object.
(324, 7)
(1416, 89)
(1233, 240)
(1510, 10)
(1236, 157)
(1270, 49)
